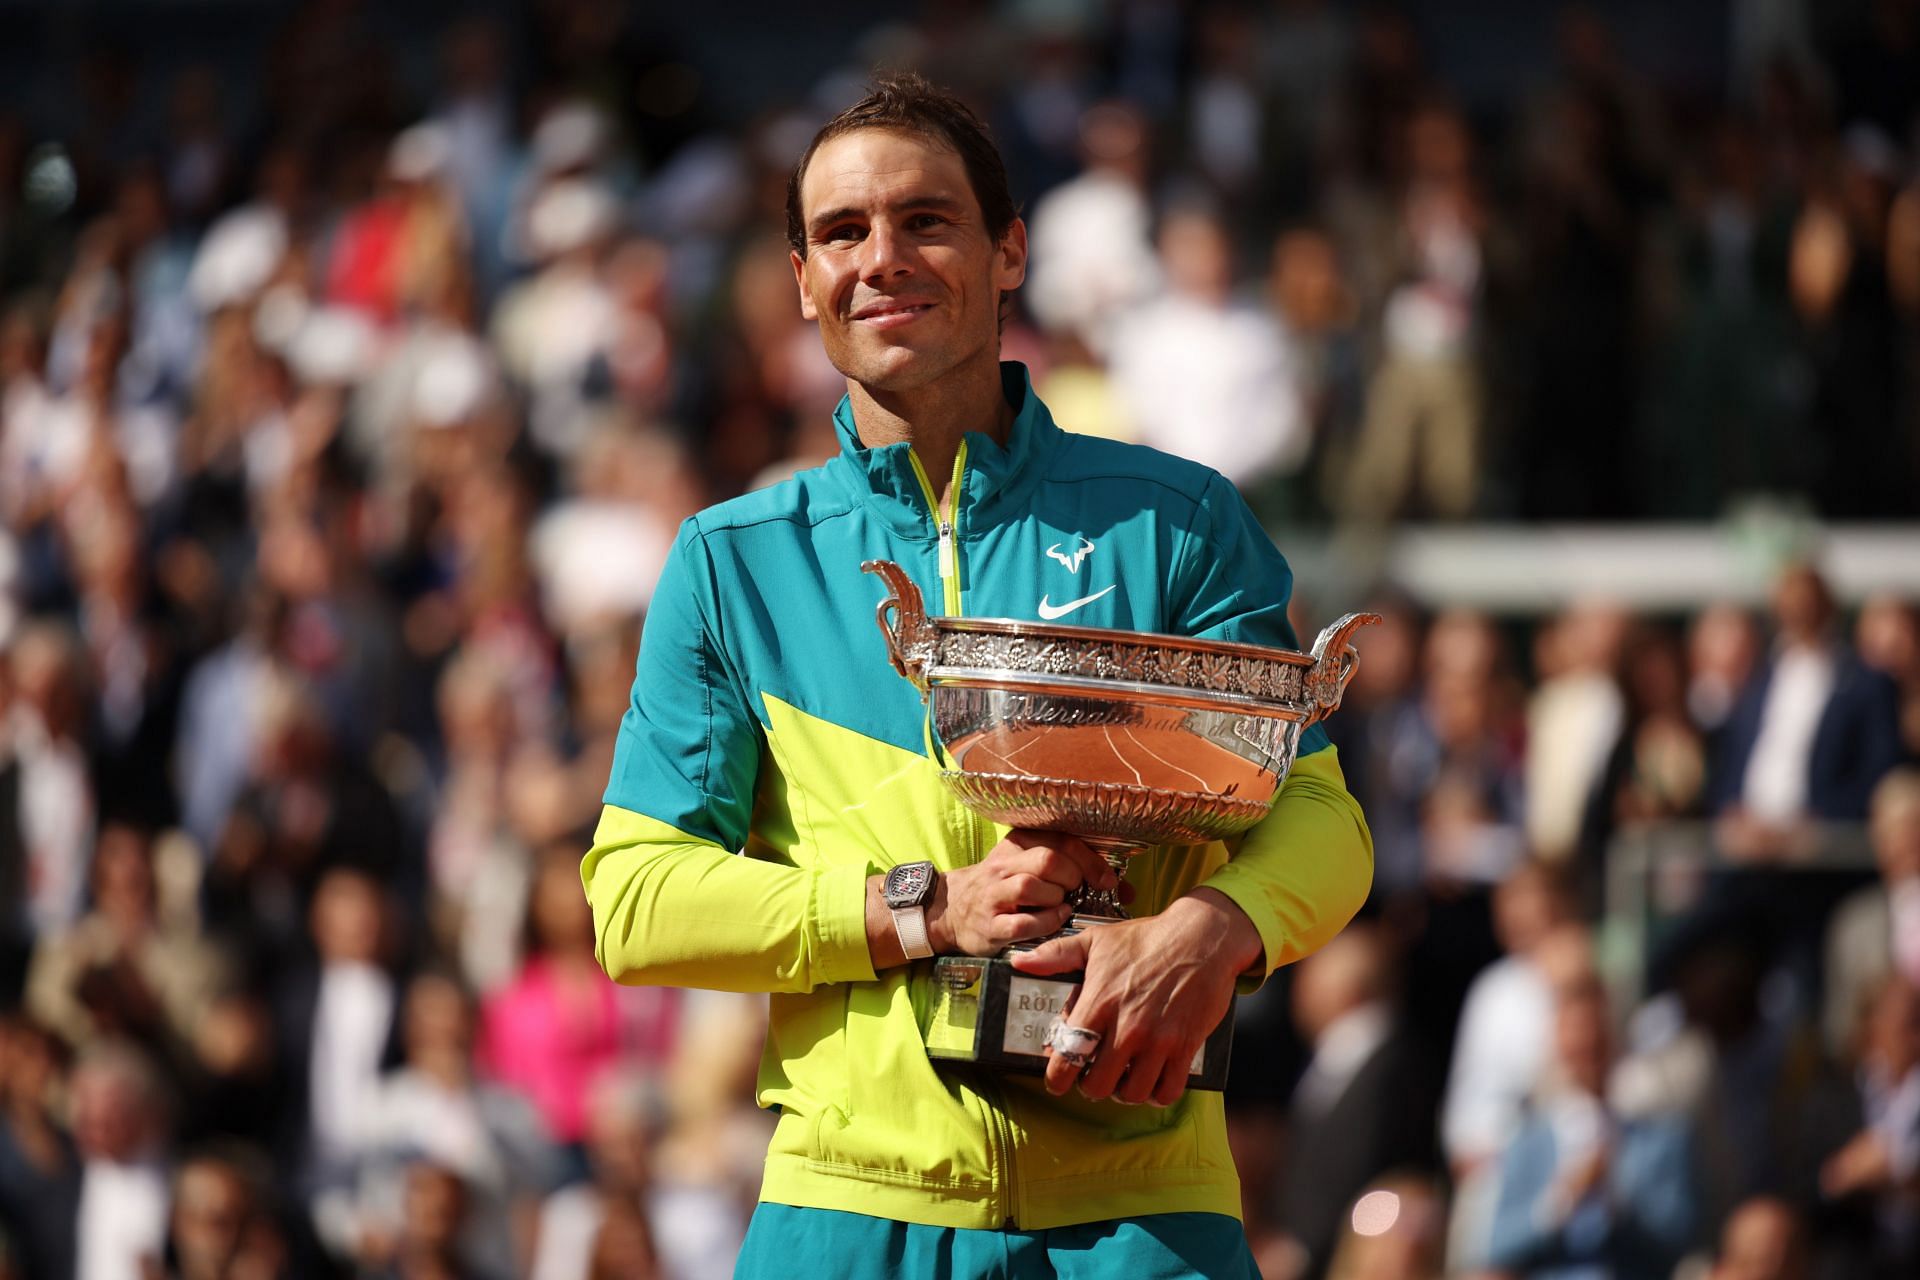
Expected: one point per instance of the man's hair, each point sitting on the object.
(909, 103)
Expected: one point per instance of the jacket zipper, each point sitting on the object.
(992, 1099)
(944, 524)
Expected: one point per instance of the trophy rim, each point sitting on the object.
(1109, 635)
(1103, 687)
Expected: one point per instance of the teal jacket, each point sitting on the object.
(765, 720)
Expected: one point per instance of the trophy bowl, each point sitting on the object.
(1125, 739)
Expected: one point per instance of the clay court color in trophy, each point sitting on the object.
(1126, 739)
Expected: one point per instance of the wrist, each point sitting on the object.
(1217, 919)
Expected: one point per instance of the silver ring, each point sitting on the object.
(1074, 1046)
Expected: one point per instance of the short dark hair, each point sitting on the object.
(910, 103)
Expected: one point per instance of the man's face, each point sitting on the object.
(901, 273)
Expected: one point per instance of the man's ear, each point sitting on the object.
(1010, 258)
(800, 278)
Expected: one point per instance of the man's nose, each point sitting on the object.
(885, 255)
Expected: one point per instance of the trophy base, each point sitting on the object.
(985, 1011)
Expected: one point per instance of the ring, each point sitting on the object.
(1072, 1045)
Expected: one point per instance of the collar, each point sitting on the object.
(997, 477)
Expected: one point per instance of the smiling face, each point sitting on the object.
(901, 273)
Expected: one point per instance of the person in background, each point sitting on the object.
(1876, 931)
(1364, 1104)
(692, 1232)
(1504, 1040)
(1584, 1192)
(1764, 1239)
(122, 970)
(1206, 376)
(39, 1168)
(119, 1128)
(221, 1228)
(1877, 1168)
(560, 1024)
(1810, 735)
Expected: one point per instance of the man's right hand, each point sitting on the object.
(1018, 891)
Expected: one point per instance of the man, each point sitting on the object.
(764, 719)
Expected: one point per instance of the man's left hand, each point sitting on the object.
(1154, 990)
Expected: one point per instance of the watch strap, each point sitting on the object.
(911, 924)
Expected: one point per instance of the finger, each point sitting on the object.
(1142, 1077)
(1060, 1074)
(1093, 868)
(1173, 1080)
(1019, 891)
(1058, 955)
(1018, 926)
(1100, 1078)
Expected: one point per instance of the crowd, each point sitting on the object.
(344, 427)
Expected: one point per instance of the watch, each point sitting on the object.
(907, 890)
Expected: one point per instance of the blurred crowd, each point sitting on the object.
(345, 422)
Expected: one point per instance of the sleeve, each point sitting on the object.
(673, 903)
(1304, 870)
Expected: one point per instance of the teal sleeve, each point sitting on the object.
(1231, 583)
(689, 745)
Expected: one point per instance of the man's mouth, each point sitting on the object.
(890, 314)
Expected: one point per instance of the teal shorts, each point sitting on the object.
(783, 1242)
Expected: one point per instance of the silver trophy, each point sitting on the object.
(1125, 739)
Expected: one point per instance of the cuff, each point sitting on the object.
(839, 941)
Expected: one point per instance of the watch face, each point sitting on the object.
(907, 885)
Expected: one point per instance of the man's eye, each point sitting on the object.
(842, 233)
(924, 220)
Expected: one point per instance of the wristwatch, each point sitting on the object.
(907, 890)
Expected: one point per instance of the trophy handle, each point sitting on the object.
(1334, 662)
(903, 621)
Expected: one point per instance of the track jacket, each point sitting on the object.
(765, 720)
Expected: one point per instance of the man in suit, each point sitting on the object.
(1812, 733)
(1365, 1104)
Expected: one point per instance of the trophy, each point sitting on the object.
(1125, 739)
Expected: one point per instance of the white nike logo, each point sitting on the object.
(1052, 611)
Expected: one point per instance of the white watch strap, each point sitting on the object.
(911, 924)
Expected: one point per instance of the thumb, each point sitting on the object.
(1055, 955)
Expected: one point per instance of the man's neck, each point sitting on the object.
(933, 418)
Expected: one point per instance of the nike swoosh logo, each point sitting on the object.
(1052, 611)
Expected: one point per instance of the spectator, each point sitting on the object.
(690, 1232)
(560, 1025)
(1584, 1191)
(1876, 931)
(1204, 376)
(1396, 1231)
(123, 971)
(1764, 1239)
(1875, 1169)
(119, 1129)
(220, 1229)
(39, 1168)
(1363, 1105)
(434, 1109)
(1811, 734)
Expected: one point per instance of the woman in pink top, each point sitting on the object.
(560, 1023)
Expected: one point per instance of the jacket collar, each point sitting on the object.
(997, 478)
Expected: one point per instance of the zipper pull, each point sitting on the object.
(948, 569)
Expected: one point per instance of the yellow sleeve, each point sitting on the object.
(1305, 869)
(670, 909)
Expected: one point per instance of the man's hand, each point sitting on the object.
(1155, 989)
(1018, 891)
